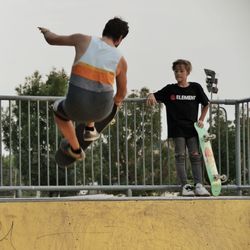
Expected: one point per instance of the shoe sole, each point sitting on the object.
(202, 195)
(91, 139)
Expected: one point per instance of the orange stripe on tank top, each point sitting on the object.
(92, 73)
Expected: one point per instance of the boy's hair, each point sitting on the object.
(115, 28)
(186, 63)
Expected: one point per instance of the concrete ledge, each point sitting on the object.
(163, 223)
(104, 197)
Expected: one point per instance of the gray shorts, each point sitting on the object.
(83, 105)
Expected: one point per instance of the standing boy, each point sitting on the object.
(182, 101)
(97, 65)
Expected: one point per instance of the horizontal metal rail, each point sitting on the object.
(111, 188)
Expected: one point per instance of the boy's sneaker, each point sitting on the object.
(90, 135)
(65, 146)
(187, 190)
(200, 190)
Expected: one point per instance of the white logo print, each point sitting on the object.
(185, 97)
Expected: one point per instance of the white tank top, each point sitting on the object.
(98, 63)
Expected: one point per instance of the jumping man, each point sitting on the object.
(97, 65)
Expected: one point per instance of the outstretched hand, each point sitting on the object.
(43, 30)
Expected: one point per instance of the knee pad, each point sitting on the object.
(59, 111)
(56, 105)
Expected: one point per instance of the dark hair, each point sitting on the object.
(115, 28)
(186, 63)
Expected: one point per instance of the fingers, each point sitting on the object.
(43, 30)
(200, 124)
(151, 100)
(117, 101)
(118, 104)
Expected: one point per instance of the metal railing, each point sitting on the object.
(241, 143)
(131, 154)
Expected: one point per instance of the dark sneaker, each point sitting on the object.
(65, 146)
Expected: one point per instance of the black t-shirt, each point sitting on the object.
(182, 105)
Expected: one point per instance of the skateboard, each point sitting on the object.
(214, 177)
(63, 159)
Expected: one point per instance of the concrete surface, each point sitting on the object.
(125, 224)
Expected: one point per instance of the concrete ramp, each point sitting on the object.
(125, 224)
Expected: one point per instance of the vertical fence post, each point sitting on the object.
(10, 142)
(38, 144)
(29, 143)
(219, 138)
(248, 143)
(152, 149)
(47, 142)
(160, 147)
(118, 149)
(19, 193)
(1, 160)
(237, 146)
(101, 161)
(243, 144)
(135, 143)
(143, 146)
(126, 142)
(227, 144)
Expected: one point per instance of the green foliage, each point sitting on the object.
(55, 85)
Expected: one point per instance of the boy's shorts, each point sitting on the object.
(83, 105)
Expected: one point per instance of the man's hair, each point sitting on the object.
(115, 28)
(186, 63)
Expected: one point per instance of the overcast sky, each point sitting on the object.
(212, 34)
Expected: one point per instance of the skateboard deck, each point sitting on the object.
(214, 178)
(62, 159)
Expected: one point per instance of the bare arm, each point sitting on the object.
(54, 39)
(79, 41)
(204, 110)
(121, 82)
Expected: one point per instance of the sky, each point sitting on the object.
(213, 34)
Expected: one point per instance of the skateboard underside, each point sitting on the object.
(215, 178)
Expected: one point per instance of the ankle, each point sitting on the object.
(76, 151)
(90, 128)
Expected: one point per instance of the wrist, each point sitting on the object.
(117, 100)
